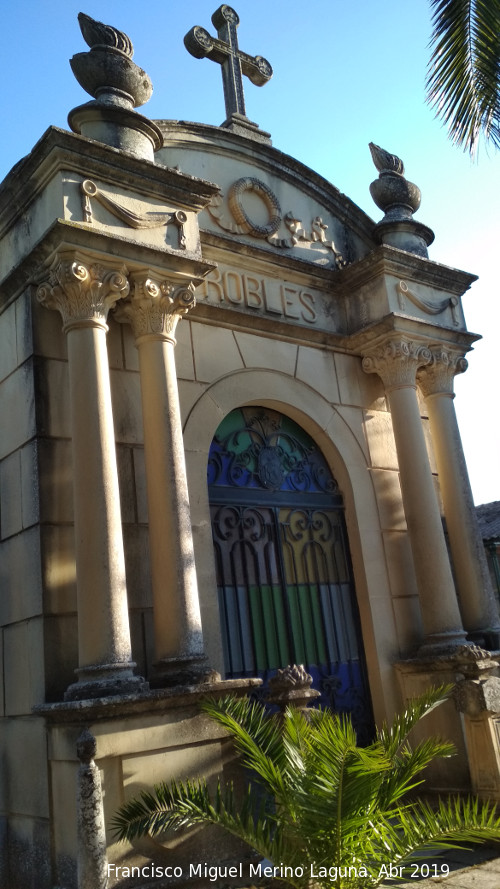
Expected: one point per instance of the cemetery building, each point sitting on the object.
(228, 445)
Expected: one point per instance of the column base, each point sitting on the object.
(105, 680)
(439, 644)
(169, 672)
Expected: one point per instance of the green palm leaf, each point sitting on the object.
(321, 799)
(464, 74)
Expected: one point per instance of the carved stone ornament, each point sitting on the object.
(155, 307)
(292, 686)
(391, 191)
(107, 72)
(83, 290)
(232, 217)
(293, 676)
(437, 377)
(147, 220)
(92, 860)
(234, 63)
(404, 294)
(397, 362)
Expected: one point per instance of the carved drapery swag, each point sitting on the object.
(396, 362)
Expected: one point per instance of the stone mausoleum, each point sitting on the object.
(228, 445)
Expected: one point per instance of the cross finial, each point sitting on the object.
(224, 50)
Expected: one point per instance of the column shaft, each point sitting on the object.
(440, 613)
(396, 363)
(103, 627)
(176, 608)
(477, 600)
(154, 311)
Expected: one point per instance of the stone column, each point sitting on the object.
(154, 310)
(396, 362)
(472, 578)
(83, 290)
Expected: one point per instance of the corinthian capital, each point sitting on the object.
(155, 307)
(81, 289)
(437, 377)
(396, 362)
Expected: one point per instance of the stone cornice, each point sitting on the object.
(60, 150)
(386, 260)
(264, 256)
(64, 235)
(90, 711)
(421, 331)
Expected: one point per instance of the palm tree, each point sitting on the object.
(464, 73)
(332, 813)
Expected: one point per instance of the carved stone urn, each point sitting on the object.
(399, 199)
(118, 86)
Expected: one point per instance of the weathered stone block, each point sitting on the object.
(59, 569)
(23, 666)
(11, 519)
(272, 354)
(8, 337)
(20, 577)
(380, 438)
(56, 480)
(60, 633)
(184, 351)
(127, 411)
(400, 563)
(316, 368)
(215, 352)
(18, 404)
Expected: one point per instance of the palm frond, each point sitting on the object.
(463, 80)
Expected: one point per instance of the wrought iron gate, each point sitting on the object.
(284, 578)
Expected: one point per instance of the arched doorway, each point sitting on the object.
(284, 578)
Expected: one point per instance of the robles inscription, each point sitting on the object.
(280, 300)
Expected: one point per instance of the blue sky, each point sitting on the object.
(344, 75)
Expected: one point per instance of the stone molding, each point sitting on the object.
(82, 289)
(155, 307)
(396, 362)
(437, 377)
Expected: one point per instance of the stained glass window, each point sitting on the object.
(285, 587)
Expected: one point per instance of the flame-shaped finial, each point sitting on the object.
(97, 34)
(386, 162)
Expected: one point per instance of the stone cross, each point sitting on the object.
(224, 50)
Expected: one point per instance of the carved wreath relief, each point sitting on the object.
(231, 215)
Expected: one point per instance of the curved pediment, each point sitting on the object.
(267, 199)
